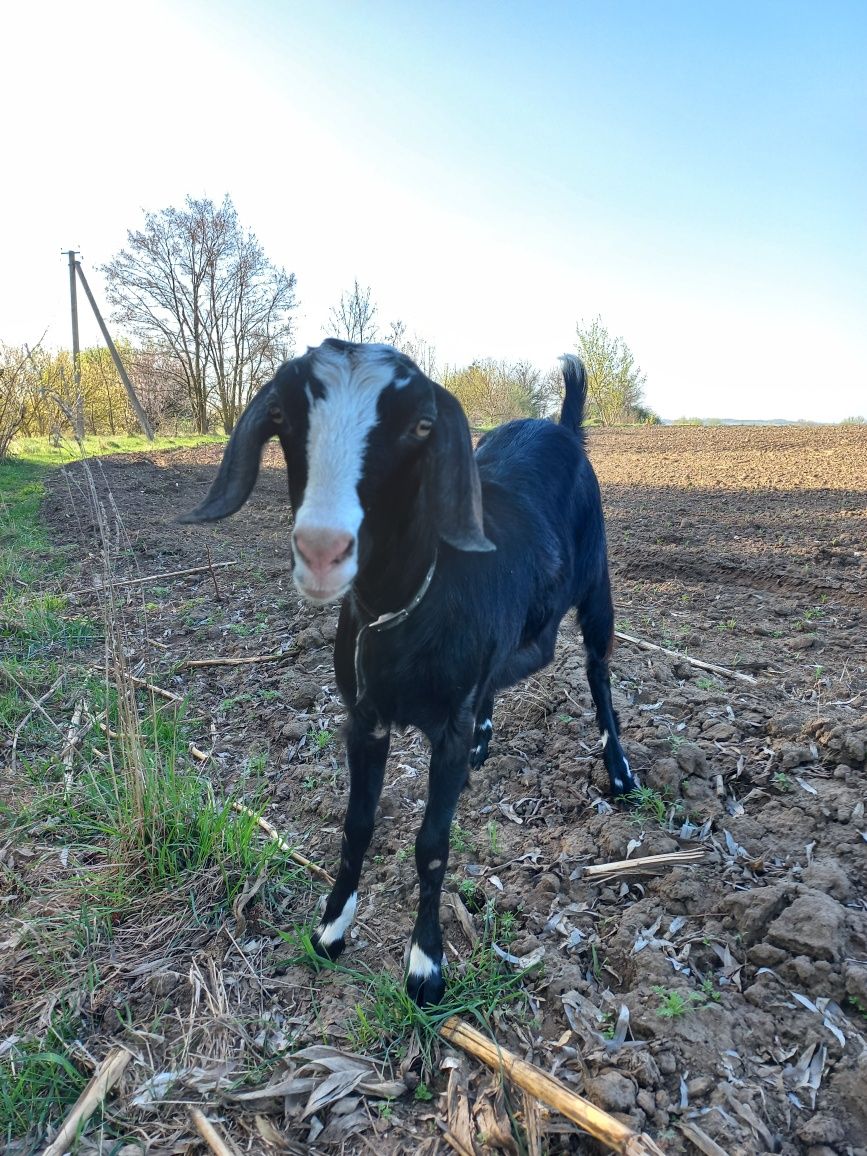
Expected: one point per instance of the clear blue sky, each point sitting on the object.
(695, 173)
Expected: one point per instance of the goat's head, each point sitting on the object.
(363, 432)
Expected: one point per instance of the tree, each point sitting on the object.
(16, 387)
(198, 286)
(419, 349)
(353, 318)
(492, 391)
(614, 382)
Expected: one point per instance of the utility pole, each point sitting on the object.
(143, 419)
(76, 269)
(76, 352)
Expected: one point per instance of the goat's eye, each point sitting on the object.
(422, 428)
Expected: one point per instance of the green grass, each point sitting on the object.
(383, 1020)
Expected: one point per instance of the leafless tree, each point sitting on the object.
(422, 352)
(353, 318)
(197, 285)
(16, 373)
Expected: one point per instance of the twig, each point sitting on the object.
(210, 1135)
(202, 756)
(700, 1138)
(169, 694)
(639, 866)
(645, 645)
(150, 578)
(73, 735)
(549, 1090)
(295, 856)
(246, 661)
(37, 705)
(217, 593)
(103, 1080)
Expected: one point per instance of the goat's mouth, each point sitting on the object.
(321, 596)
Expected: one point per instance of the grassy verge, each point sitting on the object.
(114, 844)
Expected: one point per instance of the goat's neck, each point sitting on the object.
(393, 576)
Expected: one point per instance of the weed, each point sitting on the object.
(673, 1004)
(422, 1093)
(320, 738)
(493, 838)
(649, 805)
(782, 781)
(709, 990)
(459, 839)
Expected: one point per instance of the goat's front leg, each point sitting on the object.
(448, 776)
(367, 750)
(484, 729)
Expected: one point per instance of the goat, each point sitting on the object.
(456, 569)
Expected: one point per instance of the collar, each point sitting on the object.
(386, 622)
(396, 617)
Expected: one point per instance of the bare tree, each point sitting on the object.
(194, 283)
(353, 318)
(422, 352)
(614, 382)
(16, 384)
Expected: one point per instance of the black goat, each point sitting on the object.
(457, 569)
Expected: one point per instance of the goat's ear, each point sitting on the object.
(457, 492)
(262, 419)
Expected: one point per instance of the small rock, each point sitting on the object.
(750, 912)
(548, 883)
(812, 926)
(664, 775)
(295, 728)
(822, 1129)
(646, 1103)
(855, 975)
(667, 1064)
(162, 982)
(612, 1091)
(795, 756)
(719, 732)
(802, 641)
(827, 875)
(766, 955)
(692, 759)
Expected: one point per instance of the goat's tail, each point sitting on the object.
(575, 396)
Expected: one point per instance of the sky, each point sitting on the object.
(498, 173)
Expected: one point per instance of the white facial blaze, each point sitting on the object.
(338, 429)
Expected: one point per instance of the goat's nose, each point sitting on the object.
(321, 548)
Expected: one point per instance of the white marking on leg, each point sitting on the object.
(604, 739)
(487, 726)
(421, 966)
(434, 864)
(330, 932)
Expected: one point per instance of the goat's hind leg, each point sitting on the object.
(596, 618)
(367, 751)
(484, 729)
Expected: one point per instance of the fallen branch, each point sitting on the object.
(295, 856)
(73, 736)
(210, 1135)
(150, 578)
(36, 706)
(246, 661)
(169, 694)
(649, 863)
(103, 1080)
(217, 593)
(645, 645)
(549, 1090)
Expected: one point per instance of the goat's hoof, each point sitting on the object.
(329, 950)
(623, 783)
(425, 985)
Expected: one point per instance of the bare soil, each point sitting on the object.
(744, 547)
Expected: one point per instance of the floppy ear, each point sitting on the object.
(456, 490)
(262, 419)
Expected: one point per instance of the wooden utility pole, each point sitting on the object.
(75, 267)
(76, 351)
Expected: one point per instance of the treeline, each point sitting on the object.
(208, 317)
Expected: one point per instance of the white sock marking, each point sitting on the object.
(330, 932)
(421, 966)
